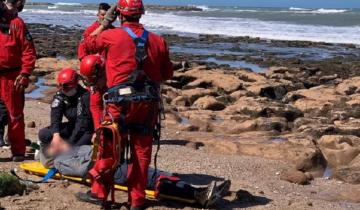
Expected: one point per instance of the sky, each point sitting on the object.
(243, 3)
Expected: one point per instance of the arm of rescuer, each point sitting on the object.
(96, 107)
(57, 113)
(167, 70)
(82, 50)
(96, 43)
(28, 54)
(84, 121)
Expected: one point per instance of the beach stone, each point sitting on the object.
(313, 161)
(349, 174)
(313, 98)
(271, 124)
(270, 89)
(348, 127)
(247, 105)
(170, 91)
(31, 124)
(215, 78)
(181, 101)
(209, 103)
(239, 93)
(294, 176)
(349, 86)
(194, 94)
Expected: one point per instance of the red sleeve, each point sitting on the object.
(28, 57)
(96, 107)
(82, 50)
(95, 44)
(167, 70)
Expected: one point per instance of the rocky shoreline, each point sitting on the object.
(303, 110)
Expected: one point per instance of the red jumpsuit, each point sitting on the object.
(17, 56)
(96, 107)
(82, 51)
(120, 51)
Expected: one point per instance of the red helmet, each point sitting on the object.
(90, 68)
(131, 7)
(67, 79)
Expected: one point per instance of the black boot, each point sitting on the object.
(89, 198)
(2, 141)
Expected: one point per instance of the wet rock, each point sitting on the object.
(189, 128)
(247, 105)
(239, 93)
(349, 86)
(209, 103)
(294, 176)
(349, 174)
(181, 101)
(194, 94)
(313, 162)
(31, 124)
(214, 78)
(170, 91)
(328, 78)
(339, 150)
(271, 124)
(311, 122)
(249, 77)
(313, 98)
(350, 127)
(270, 89)
(317, 130)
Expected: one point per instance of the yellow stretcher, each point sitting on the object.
(36, 168)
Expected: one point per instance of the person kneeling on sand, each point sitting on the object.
(71, 101)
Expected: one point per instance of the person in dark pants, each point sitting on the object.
(71, 101)
(3, 122)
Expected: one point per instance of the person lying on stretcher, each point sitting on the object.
(76, 161)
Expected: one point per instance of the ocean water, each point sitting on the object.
(334, 25)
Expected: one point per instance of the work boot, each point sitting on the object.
(2, 141)
(89, 198)
(18, 158)
(206, 197)
(222, 188)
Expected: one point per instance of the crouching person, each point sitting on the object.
(71, 102)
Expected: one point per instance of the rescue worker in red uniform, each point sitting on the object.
(103, 7)
(17, 61)
(92, 69)
(166, 185)
(137, 61)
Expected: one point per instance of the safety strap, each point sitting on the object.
(141, 53)
(51, 173)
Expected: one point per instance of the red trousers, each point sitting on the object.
(14, 102)
(140, 145)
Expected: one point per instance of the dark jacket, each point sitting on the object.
(76, 110)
